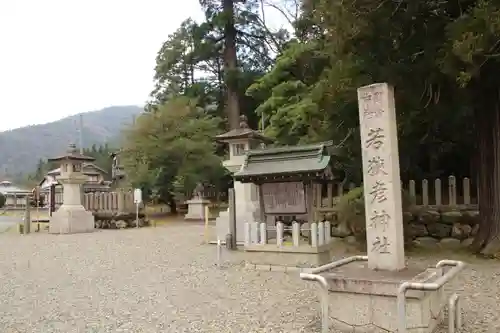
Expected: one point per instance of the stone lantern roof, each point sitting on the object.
(72, 154)
(244, 132)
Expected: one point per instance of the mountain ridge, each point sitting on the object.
(21, 148)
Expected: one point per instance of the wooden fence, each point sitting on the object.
(449, 191)
(437, 192)
(104, 201)
(109, 202)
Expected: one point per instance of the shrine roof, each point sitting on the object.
(268, 163)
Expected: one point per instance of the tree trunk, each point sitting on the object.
(487, 120)
(173, 206)
(231, 65)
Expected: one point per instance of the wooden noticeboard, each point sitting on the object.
(284, 198)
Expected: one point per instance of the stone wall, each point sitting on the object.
(450, 227)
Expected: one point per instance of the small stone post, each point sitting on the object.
(314, 234)
(232, 219)
(263, 233)
(27, 217)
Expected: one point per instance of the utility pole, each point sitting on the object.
(81, 134)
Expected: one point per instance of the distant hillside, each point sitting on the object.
(20, 149)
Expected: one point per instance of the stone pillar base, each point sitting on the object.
(71, 220)
(365, 301)
(196, 209)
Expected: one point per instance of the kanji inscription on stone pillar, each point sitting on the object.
(381, 177)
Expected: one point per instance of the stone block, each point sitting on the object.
(472, 216)
(196, 209)
(429, 217)
(461, 231)
(71, 219)
(451, 217)
(296, 256)
(361, 300)
(439, 230)
(416, 230)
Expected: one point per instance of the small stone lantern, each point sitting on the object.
(71, 217)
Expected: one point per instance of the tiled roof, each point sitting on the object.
(285, 161)
(8, 187)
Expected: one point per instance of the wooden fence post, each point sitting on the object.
(425, 192)
(466, 186)
(27, 217)
(437, 192)
(452, 191)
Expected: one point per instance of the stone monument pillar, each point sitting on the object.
(381, 178)
(71, 217)
(373, 294)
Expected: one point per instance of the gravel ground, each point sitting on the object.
(164, 280)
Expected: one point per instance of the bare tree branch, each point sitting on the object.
(290, 17)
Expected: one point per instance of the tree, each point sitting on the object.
(449, 50)
(228, 52)
(173, 144)
(441, 56)
(102, 155)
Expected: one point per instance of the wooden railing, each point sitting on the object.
(104, 201)
(437, 192)
(109, 202)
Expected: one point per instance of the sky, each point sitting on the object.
(63, 57)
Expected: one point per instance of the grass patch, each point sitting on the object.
(163, 220)
(157, 209)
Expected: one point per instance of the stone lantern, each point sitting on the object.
(240, 140)
(71, 217)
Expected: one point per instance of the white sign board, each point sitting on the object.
(137, 196)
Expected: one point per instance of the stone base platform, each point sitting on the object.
(71, 220)
(291, 256)
(196, 209)
(363, 300)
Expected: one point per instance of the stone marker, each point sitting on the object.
(381, 178)
(372, 295)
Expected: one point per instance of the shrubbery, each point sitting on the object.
(351, 211)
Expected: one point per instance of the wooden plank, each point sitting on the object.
(288, 198)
